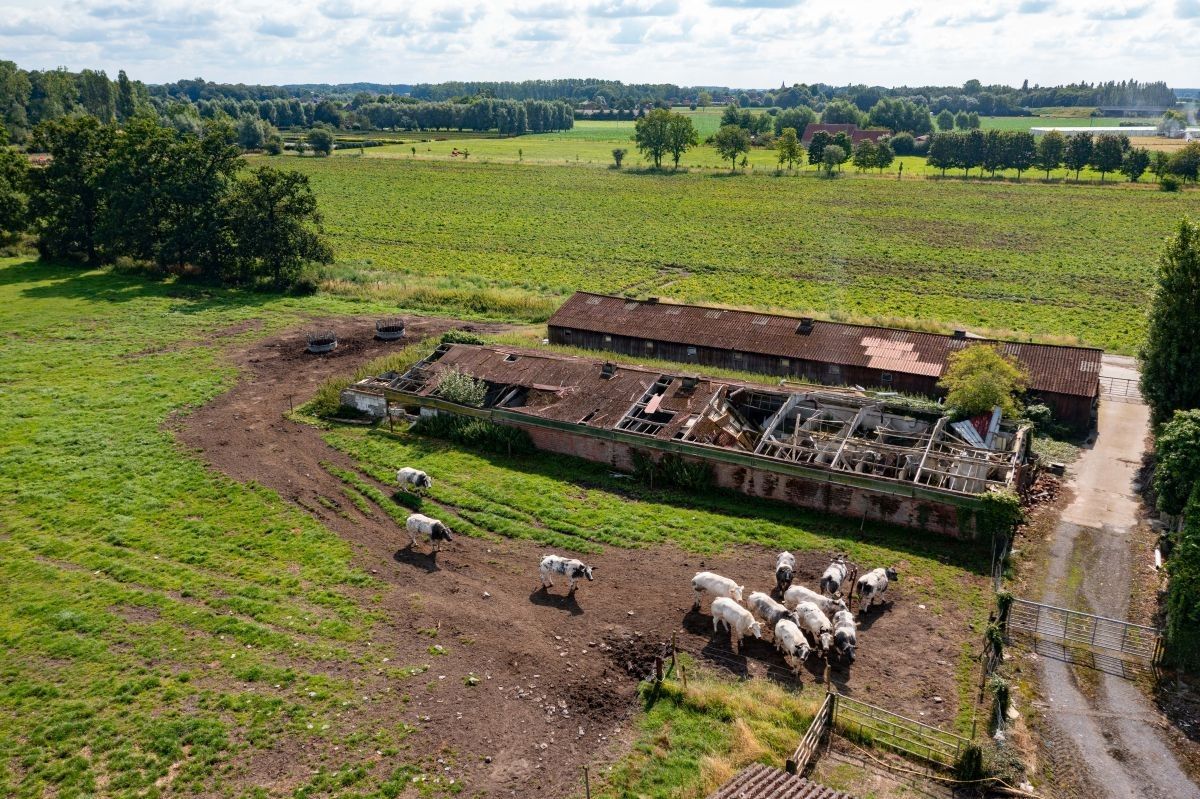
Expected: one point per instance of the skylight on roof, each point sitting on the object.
(672, 311)
(593, 300)
(713, 314)
(759, 320)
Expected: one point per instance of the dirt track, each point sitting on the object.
(558, 675)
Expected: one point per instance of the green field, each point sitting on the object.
(1099, 125)
(167, 629)
(511, 240)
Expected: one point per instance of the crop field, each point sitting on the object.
(170, 629)
(510, 241)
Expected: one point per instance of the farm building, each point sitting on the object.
(849, 128)
(1067, 379)
(837, 451)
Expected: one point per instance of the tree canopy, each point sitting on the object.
(980, 377)
(731, 141)
(1170, 359)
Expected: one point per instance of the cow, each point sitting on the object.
(556, 564)
(799, 593)
(791, 643)
(785, 570)
(834, 576)
(420, 525)
(845, 635)
(873, 585)
(715, 584)
(767, 609)
(811, 620)
(739, 621)
(414, 480)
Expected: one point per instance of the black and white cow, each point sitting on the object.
(845, 635)
(767, 609)
(873, 585)
(414, 480)
(571, 568)
(834, 576)
(785, 571)
(419, 524)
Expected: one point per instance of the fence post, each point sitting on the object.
(674, 640)
(587, 784)
(658, 669)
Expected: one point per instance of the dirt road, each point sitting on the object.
(1110, 737)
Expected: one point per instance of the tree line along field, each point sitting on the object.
(1072, 263)
(170, 629)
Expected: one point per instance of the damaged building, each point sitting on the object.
(838, 451)
(1066, 379)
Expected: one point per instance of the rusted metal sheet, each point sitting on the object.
(1052, 368)
(763, 782)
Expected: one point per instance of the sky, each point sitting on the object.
(739, 43)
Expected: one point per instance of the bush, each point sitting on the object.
(461, 337)
(1168, 183)
(477, 434)
(672, 470)
(1177, 461)
(1183, 593)
(458, 387)
(903, 144)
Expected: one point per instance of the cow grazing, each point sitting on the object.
(811, 620)
(873, 585)
(411, 479)
(799, 593)
(834, 576)
(791, 643)
(420, 525)
(845, 635)
(569, 567)
(712, 583)
(767, 609)
(739, 621)
(785, 570)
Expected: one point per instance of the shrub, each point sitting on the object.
(477, 434)
(458, 387)
(1183, 593)
(903, 144)
(1168, 183)
(461, 337)
(979, 377)
(672, 470)
(1177, 461)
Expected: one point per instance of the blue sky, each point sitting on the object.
(746, 43)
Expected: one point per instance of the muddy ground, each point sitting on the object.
(558, 674)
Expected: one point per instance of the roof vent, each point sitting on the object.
(688, 386)
(608, 370)
(806, 325)
(652, 300)
(960, 334)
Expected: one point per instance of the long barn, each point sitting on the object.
(1066, 378)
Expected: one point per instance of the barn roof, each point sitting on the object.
(763, 782)
(1052, 368)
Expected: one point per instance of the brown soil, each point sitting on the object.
(557, 673)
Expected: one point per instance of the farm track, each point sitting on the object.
(558, 674)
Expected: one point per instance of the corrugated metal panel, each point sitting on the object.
(1052, 368)
(763, 782)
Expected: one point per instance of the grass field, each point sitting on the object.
(166, 627)
(510, 241)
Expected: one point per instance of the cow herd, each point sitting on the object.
(804, 623)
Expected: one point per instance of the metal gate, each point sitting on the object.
(884, 728)
(1120, 389)
(1111, 645)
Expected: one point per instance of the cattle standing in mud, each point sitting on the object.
(845, 635)
(572, 569)
(785, 570)
(736, 618)
(420, 525)
(873, 585)
(767, 609)
(712, 583)
(414, 480)
(792, 644)
(799, 593)
(834, 576)
(811, 620)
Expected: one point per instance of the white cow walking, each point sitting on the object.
(799, 593)
(419, 524)
(872, 586)
(736, 618)
(411, 479)
(834, 576)
(713, 583)
(571, 568)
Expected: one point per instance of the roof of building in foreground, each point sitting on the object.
(763, 782)
(1052, 368)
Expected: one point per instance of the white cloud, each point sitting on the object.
(620, 9)
(542, 11)
(1117, 13)
(1035, 6)
(1187, 9)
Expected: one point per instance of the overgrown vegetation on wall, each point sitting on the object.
(477, 434)
(672, 470)
(1183, 596)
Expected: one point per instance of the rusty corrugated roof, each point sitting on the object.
(763, 782)
(1052, 368)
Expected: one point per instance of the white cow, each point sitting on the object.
(414, 480)
(791, 643)
(845, 634)
(715, 584)
(811, 620)
(873, 585)
(571, 568)
(785, 570)
(736, 618)
(419, 524)
(767, 609)
(799, 593)
(834, 576)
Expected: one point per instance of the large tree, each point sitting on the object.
(652, 135)
(278, 227)
(681, 136)
(864, 155)
(1177, 461)
(971, 154)
(14, 190)
(945, 120)
(1050, 151)
(1170, 357)
(1020, 151)
(730, 142)
(787, 148)
(1134, 165)
(1078, 153)
(816, 146)
(67, 201)
(980, 377)
(1108, 153)
(943, 151)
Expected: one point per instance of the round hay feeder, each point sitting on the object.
(322, 341)
(389, 329)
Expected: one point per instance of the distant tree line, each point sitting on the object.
(148, 194)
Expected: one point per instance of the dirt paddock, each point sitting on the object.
(557, 674)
